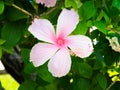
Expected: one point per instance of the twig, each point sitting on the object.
(24, 11)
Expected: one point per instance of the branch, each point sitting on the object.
(24, 11)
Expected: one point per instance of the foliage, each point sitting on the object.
(8, 82)
(86, 74)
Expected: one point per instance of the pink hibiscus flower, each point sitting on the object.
(47, 3)
(58, 43)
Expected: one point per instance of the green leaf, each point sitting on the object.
(2, 17)
(100, 16)
(34, 5)
(8, 49)
(29, 68)
(9, 2)
(102, 81)
(41, 88)
(2, 41)
(85, 70)
(103, 14)
(81, 28)
(117, 69)
(106, 17)
(81, 84)
(99, 56)
(11, 32)
(87, 10)
(1, 86)
(31, 85)
(98, 65)
(90, 23)
(95, 85)
(1, 6)
(0, 52)
(51, 86)
(14, 14)
(116, 3)
(101, 26)
(72, 3)
(45, 74)
(109, 56)
(25, 54)
(53, 16)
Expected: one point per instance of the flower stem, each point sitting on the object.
(24, 11)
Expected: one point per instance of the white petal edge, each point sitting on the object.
(41, 52)
(81, 45)
(43, 30)
(60, 64)
(67, 22)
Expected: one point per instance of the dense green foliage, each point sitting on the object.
(92, 73)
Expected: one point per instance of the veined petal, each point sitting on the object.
(60, 64)
(67, 21)
(81, 45)
(41, 52)
(43, 30)
(47, 3)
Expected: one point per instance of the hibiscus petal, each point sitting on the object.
(60, 64)
(67, 21)
(81, 45)
(47, 3)
(41, 52)
(43, 30)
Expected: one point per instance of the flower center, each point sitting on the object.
(60, 42)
